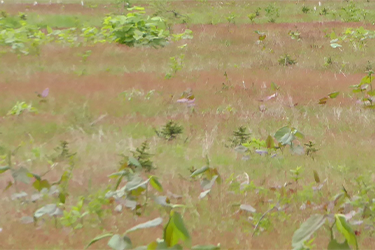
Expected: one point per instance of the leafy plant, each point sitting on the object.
(176, 63)
(142, 155)
(295, 35)
(296, 174)
(231, 18)
(365, 88)
(286, 60)
(210, 177)
(240, 136)
(252, 17)
(305, 9)
(22, 107)
(286, 136)
(332, 95)
(136, 29)
(310, 226)
(351, 13)
(169, 131)
(272, 12)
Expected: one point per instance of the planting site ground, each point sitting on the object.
(187, 124)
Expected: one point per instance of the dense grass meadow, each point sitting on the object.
(136, 124)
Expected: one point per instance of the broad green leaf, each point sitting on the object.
(156, 184)
(62, 197)
(371, 92)
(298, 134)
(344, 228)
(49, 30)
(307, 229)
(118, 242)
(199, 171)
(49, 209)
(284, 135)
(323, 100)
(22, 175)
(366, 80)
(40, 184)
(134, 162)
(270, 142)
(175, 230)
(97, 238)
(316, 177)
(334, 245)
(333, 94)
(4, 169)
(152, 223)
(137, 185)
(208, 247)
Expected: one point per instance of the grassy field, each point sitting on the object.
(259, 92)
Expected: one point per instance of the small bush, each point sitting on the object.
(286, 60)
(169, 131)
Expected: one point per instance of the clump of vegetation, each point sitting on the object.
(143, 157)
(240, 136)
(351, 13)
(305, 9)
(272, 12)
(286, 60)
(365, 88)
(22, 107)
(170, 131)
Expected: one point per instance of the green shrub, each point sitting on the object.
(136, 29)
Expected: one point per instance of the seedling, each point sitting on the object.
(286, 60)
(22, 107)
(143, 156)
(286, 136)
(365, 88)
(240, 136)
(169, 131)
(272, 13)
(305, 9)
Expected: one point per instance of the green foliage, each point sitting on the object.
(305, 9)
(169, 131)
(332, 95)
(286, 136)
(252, 17)
(74, 217)
(176, 63)
(142, 156)
(231, 18)
(20, 108)
(286, 60)
(295, 35)
(351, 13)
(356, 37)
(135, 29)
(296, 174)
(272, 12)
(240, 136)
(306, 230)
(366, 90)
(311, 225)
